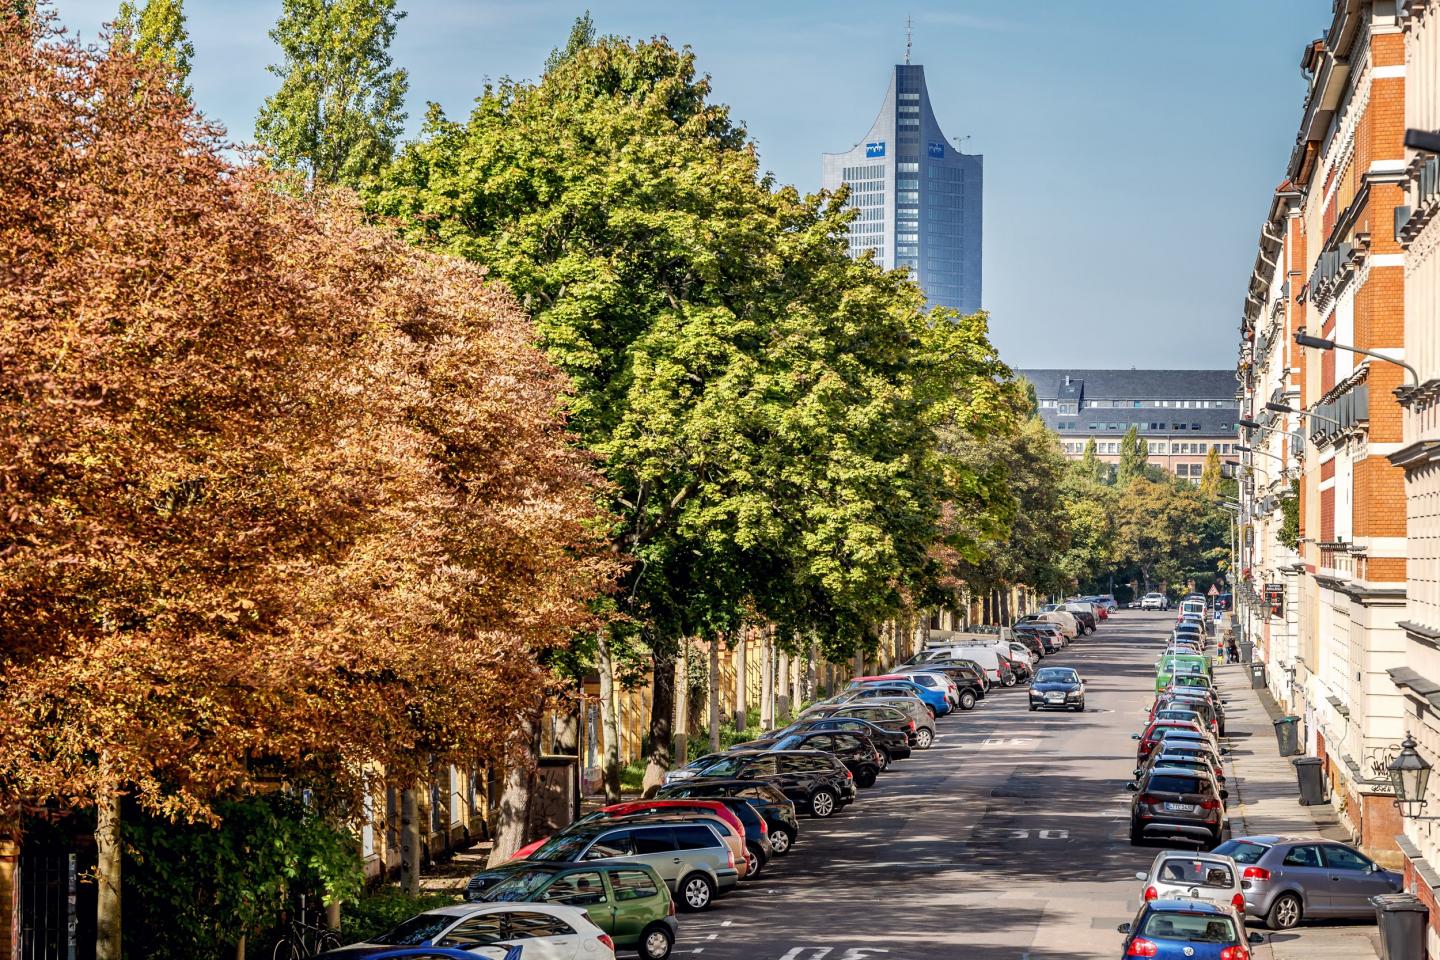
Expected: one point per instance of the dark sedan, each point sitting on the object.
(773, 806)
(1057, 688)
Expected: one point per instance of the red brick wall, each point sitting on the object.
(1327, 515)
(1379, 498)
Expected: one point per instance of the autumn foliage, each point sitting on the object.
(276, 491)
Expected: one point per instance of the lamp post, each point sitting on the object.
(1422, 140)
(1286, 408)
(1320, 343)
(1410, 775)
(1264, 453)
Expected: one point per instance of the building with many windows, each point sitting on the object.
(1181, 414)
(918, 196)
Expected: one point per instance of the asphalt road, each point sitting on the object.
(1007, 840)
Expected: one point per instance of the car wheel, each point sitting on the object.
(1033, 708)
(1010, 680)
(656, 942)
(822, 803)
(866, 777)
(753, 863)
(696, 891)
(1080, 707)
(781, 841)
(1284, 912)
(923, 738)
(967, 700)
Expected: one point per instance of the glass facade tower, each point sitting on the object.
(919, 198)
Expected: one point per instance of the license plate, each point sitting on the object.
(1055, 697)
(1180, 807)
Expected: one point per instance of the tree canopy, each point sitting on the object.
(156, 33)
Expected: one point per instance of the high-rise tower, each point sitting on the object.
(919, 197)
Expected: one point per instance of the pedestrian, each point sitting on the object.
(1232, 652)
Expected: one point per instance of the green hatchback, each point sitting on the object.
(628, 901)
(1179, 663)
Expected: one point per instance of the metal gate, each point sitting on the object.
(57, 910)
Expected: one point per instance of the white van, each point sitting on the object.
(1192, 606)
(985, 653)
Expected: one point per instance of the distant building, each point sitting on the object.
(1180, 414)
(919, 197)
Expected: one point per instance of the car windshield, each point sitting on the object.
(1171, 783)
(723, 767)
(1242, 851)
(1191, 927)
(520, 886)
(417, 930)
(1056, 675)
(1196, 873)
(561, 848)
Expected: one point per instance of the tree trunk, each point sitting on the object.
(1005, 606)
(609, 721)
(512, 821)
(662, 717)
(714, 718)
(410, 841)
(107, 875)
(811, 666)
(860, 662)
(740, 706)
(682, 706)
(783, 687)
(767, 684)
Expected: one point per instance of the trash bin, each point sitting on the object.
(1247, 650)
(1402, 918)
(1257, 675)
(1287, 735)
(1310, 775)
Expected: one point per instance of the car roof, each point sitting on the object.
(1176, 905)
(1176, 771)
(470, 909)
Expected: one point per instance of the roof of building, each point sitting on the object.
(1134, 384)
(1213, 422)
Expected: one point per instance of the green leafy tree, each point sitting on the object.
(1134, 455)
(1289, 534)
(341, 103)
(1091, 463)
(156, 32)
(766, 408)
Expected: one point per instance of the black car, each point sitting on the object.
(1048, 643)
(857, 751)
(1177, 802)
(766, 799)
(891, 718)
(1057, 688)
(966, 676)
(891, 736)
(812, 779)
(1021, 668)
(1085, 617)
(1030, 641)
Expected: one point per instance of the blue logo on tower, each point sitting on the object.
(937, 149)
(875, 149)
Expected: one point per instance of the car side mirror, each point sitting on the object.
(1142, 876)
(1255, 938)
(1134, 736)
(1132, 786)
(1123, 928)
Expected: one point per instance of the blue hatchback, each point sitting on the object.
(934, 699)
(1187, 930)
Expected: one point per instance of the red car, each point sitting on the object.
(1151, 736)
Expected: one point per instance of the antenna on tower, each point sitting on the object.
(907, 40)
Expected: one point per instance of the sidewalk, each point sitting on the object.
(1264, 798)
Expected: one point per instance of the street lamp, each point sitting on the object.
(1320, 343)
(1264, 453)
(1248, 424)
(1422, 140)
(1409, 775)
(1286, 408)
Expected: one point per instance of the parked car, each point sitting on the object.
(1084, 612)
(1057, 688)
(859, 754)
(690, 769)
(813, 780)
(1019, 664)
(1286, 879)
(1187, 930)
(1157, 730)
(893, 739)
(1154, 601)
(692, 858)
(922, 731)
(567, 933)
(936, 700)
(1203, 704)
(744, 822)
(628, 901)
(1177, 803)
(1176, 874)
(777, 810)
(1180, 759)
(1190, 749)
(1171, 665)
(940, 686)
(970, 683)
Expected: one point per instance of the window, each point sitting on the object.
(479, 931)
(695, 837)
(616, 844)
(1302, 856)
(1343, 858)
(632, 885)
(653, 840)
(577, 890)
(531, 926)
(1194, 426)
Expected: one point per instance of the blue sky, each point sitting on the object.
(1130, 145)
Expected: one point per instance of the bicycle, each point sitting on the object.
(303, 940)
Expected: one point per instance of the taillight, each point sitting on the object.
(1210, 803)
(605, 941)
(912, 726)
(1238, 902)
(730, 857)
(764, 828)
(1140, 947)
(848, 774)
(671, 911)
(1151, 893)
(1237, 952)
(1256, 873)
(1149, 799)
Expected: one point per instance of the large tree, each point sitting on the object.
(764, 406)
(341, 103)
(279, 495)
(1134, 455)
(156, 33)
